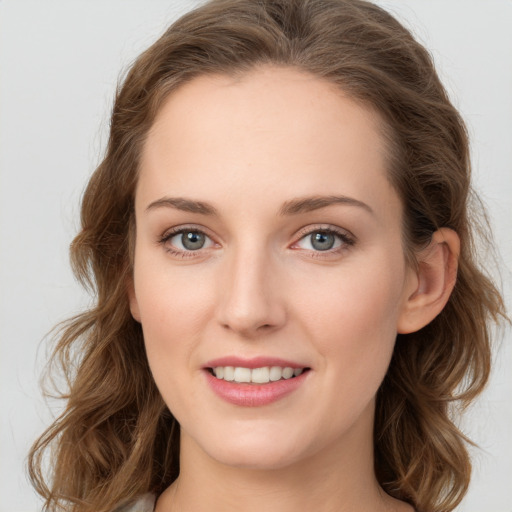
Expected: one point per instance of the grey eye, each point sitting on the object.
(322, 240)
(192, 240)
(186, 240)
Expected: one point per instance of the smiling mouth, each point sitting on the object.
(263, 375)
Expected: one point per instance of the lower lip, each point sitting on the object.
(253, 395)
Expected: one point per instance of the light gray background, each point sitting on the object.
(59, 63)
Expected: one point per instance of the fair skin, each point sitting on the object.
(236, 256)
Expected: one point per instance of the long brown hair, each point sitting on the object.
(116, 439)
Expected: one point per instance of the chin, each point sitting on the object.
(255, 450)
(256, 458)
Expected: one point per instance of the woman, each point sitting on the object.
(288, 303)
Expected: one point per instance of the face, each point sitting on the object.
(268, 251)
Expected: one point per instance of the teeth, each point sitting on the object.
(257, 375)
(260, 375)
(287, 373)
(229, 373)
(242, 374)
(276, 372)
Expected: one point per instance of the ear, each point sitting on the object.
(132, 298)
(432, 282)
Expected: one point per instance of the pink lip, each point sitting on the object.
(253, 395)
(254, 362)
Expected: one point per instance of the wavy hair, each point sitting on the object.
(116, 439)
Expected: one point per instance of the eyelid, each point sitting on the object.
(184, 227)
(311, 228)
(176, 230)
(347, 238)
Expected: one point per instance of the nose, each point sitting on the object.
(251, 299)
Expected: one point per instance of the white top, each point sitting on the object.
(145, 503)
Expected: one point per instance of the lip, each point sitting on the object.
(253, 395)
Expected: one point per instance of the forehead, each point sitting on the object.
(285, 99)
(272, 131)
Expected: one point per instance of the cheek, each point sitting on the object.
(353, 317)
(172, 306)
(168, 294)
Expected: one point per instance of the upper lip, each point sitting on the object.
(253, 362)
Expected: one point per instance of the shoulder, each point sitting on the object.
(146, 503)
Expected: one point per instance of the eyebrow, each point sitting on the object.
(308, 204)
(291, 207)
(186, 205)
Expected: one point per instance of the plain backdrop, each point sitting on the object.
(59, 65)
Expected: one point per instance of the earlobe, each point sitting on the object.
(134, 304)
(436, 275)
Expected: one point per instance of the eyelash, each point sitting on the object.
(347, 240)
(168, 235)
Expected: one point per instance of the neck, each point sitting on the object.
(338, 478)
